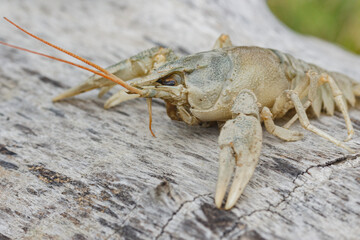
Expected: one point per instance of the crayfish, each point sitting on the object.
(236, 87)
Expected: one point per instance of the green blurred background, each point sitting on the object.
(333, 20)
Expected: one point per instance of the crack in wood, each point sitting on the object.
(323, 165)
(162, 231)
(272, 208)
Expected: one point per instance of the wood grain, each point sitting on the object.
(72, 170)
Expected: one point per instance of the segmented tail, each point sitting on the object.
(357, 90)
(324, 100)
(349, 87)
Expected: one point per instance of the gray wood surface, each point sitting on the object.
(72, 170)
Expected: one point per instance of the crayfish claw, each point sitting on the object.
(119, 97)
(226, 169)
(240, 143)
(240, 180)
(104, 90)
(90, 84)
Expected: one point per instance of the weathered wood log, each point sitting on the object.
(74, 170)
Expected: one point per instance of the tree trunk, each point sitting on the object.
(74, 170)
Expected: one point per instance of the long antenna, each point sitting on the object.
(102, 72)
(107, 74)
(60, 60)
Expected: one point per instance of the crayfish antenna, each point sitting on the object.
(102, 72)
(57, 59)
(149, 103)
(105, 74)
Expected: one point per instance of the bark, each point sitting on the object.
(74, 170)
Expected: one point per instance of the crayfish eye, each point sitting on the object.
(171, 80)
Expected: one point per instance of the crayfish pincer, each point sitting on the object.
(237, 87)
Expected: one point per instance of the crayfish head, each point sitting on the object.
(188, 84)
(167, 82)
(201, 75)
